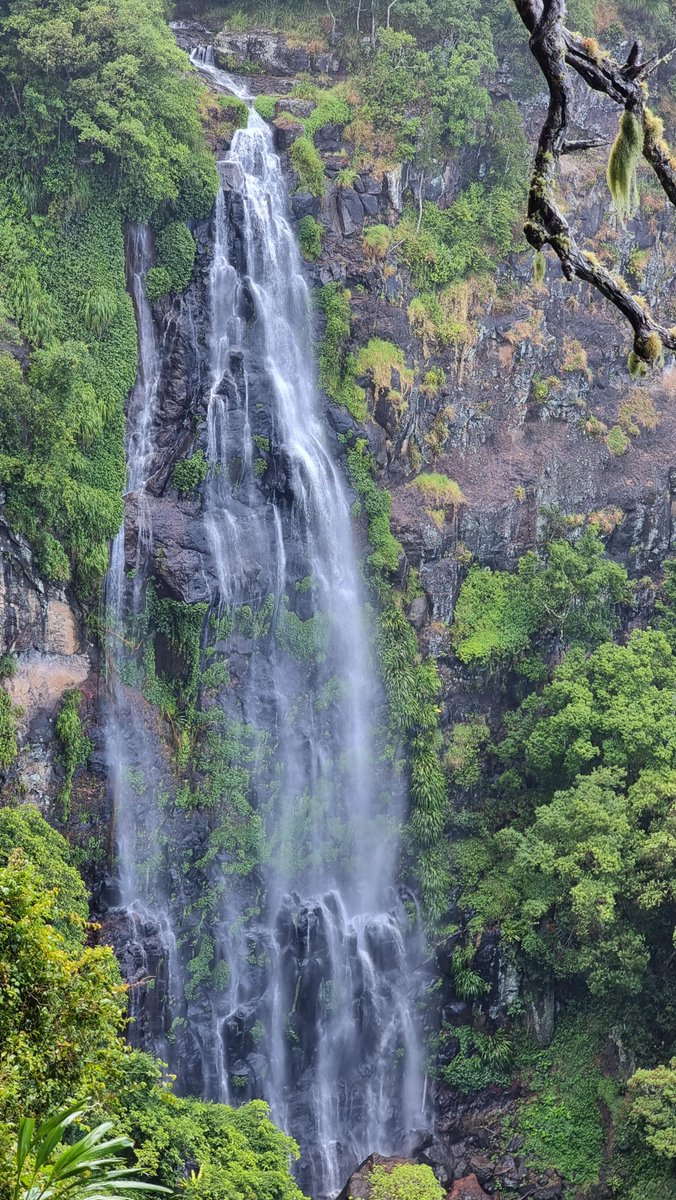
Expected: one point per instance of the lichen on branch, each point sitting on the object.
(556, 49)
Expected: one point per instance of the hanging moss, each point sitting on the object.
(623, 164)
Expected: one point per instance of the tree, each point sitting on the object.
(571, 592)
(61, 1003)
(652, 1108)
(556, 50)
(577, 864)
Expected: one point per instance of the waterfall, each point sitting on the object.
(311, 1003)
(149, 943)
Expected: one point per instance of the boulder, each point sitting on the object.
(468, 1188)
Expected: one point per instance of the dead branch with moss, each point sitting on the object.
(557, 50)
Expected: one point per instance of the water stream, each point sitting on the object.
(314, 1008)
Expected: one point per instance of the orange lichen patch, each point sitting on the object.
(606, 520)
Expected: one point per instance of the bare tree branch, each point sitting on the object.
(556, 50)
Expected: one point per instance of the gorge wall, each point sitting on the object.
(518, 394)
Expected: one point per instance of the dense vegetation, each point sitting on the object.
(550, 819)
(562, 833)
(61, 1026)
(100, 125)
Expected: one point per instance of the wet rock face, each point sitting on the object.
(41, 627)
(272, 54)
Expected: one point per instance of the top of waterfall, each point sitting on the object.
(202, 57)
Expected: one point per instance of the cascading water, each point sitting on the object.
(311, 946)
(130, 748)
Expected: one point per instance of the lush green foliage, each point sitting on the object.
(109, 79)
(265, 106)
(61, 1004)
(240, 1154)
(93, 1166)
(9, 747)
(337, 369)
(308, 165)
(652, 1107)
(581, 882)
(175, 258)
(75, 745)
(101, 123)
(23, 828)
(189, 473)
(571, 593)
(310, 234)
(562, 1123)
(61, 1014)
(405, 1182)
(413, 688)
(437, 96)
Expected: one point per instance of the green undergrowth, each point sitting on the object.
(310, 237)
(562, 1124)
(74, 743)
(190, 473)
(308, 165)
(337, 368)
(175, 247)
(413, 688)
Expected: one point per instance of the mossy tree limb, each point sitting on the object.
(555, 49)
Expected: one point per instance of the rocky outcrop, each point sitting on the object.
(273, 53)
(41, 627)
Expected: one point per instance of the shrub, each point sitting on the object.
(405, 1182)
(175, 259)
(265, 106)
(439, 490)
(9, 747)
(158, 283)
(99, 309)
(307, 163)
(189, 473)
(377, 240)
(617, 441)
(310, 235)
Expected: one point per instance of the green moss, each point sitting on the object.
(307, 163)
(265, 106)
(306, 640)
(75, 745)
(382, 360)
(622, 166)
(310, 235)
(332, 109)
(438, 490)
